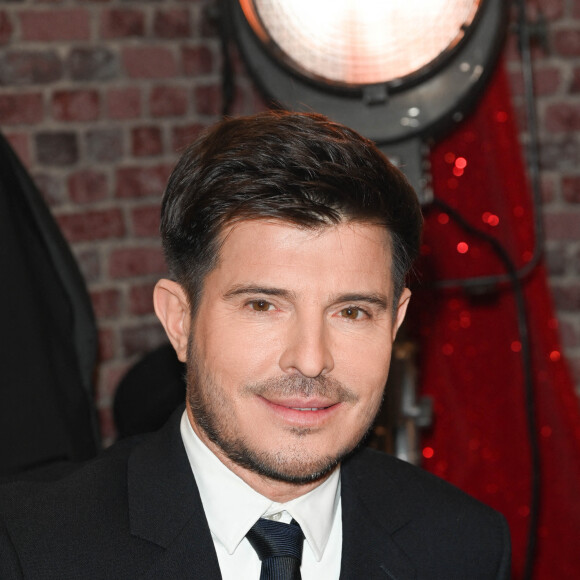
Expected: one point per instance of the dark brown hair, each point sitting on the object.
(295, 167)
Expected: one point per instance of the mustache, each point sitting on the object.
(299, 385)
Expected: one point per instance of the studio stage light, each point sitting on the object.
(398, 71)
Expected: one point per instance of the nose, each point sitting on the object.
(307, 349)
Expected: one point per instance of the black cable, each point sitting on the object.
(526, 359)
(228, 83)
(523, 31)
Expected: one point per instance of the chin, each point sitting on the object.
(298, 464)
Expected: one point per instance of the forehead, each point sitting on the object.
(356, 254)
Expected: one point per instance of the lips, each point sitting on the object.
(301, 403)
(301, 412)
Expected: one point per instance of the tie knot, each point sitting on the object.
(276, 539)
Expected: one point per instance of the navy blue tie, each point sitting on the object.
(279, 547)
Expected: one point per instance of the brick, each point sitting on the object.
(567, 42)
(51, 188)
(570, 335)
(21, 109)
(547, 188)
(566, 298)
(106, 303)
(20, 143)
(87, 186)
(576, 261)
(6, 28)
(104, 145)
(92, 225)
(57, 148)
(237, 62)
(142, 181)
(106, 422)
(55, 25)
(89, 263)
(124, 103)
(30, 67)
(141, 261)
(143, 338)
(574, 87)
(556, 260)
(208, 100)
(562, 117)
(146, 221)
(243, 101)
(547, 81)
(122, 23)
(106, 342)
(168, 101)
(571, 189)
(197, 60)
(141, 299)
(183, 136)
(549, 9)
(146, 141)
(80, 105)
(559, 154)
(562, 226)
(92, 64)
(208, 25)
(149, 62)
(172, 23)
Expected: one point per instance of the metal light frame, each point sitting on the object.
(402, 112)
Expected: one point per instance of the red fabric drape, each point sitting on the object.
(470, 349)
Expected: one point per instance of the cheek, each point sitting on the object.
(238, 355)
(364, 363)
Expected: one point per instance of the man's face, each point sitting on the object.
(289, 350)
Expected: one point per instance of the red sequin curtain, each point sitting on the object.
(470, 347)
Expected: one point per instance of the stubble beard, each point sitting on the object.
(215, 417)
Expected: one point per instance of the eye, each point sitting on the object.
(261, 305)
(353, 313)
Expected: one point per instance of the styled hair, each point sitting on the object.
(298, 168)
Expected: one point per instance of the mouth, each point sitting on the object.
(311, 413)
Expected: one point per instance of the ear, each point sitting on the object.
(172, 309)
(401, 310)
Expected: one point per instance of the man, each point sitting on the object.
(288, 238)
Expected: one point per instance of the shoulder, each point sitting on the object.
(425, 516)
(374, 473)
(89, 480)
(45, 514)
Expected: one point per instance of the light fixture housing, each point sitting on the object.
(391, 70)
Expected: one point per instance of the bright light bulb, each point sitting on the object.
(360, 42)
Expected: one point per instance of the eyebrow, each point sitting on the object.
(374, 299)
(268, 291)
(378, 300)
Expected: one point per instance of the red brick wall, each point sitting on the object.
(98, 97)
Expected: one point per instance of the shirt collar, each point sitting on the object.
(232, 506)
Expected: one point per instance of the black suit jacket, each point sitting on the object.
(135, 513)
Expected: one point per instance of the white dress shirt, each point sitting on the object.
(232, 507)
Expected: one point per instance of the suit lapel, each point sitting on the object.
(165, 507)
(371, 514)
